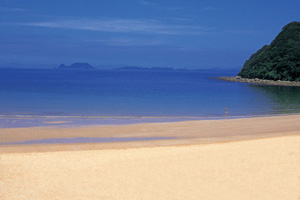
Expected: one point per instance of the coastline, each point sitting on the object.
(259, 81)
(19, 121)
(145, 134)
(33, 121)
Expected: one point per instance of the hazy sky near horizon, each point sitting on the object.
(149, 33)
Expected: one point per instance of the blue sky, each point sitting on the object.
(150, 33)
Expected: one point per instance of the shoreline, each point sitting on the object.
(259, 81)
(31, 121)
(146, 134)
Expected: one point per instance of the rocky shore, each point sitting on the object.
(259, 81)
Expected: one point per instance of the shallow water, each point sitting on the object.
(75, 121)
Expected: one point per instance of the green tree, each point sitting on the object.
(278, 61)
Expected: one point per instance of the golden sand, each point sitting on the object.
(211, 162)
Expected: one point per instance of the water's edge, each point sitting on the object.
(23, 121)
(259, 81)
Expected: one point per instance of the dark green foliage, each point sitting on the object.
(278, 61)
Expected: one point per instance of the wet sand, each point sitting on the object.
(255, 158)
(186, 132)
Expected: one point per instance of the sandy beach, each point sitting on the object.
(250, 158)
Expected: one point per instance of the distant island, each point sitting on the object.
(86, 66)
(76, 66)
(136, 68)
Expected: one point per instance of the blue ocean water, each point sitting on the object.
(111, 93)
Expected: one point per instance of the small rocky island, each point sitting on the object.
(277, 63)
(76, 66)
(136, 68)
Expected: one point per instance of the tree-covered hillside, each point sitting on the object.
(278, 61)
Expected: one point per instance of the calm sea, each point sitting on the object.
(138, 93)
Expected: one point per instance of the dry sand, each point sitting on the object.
(211, 162)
